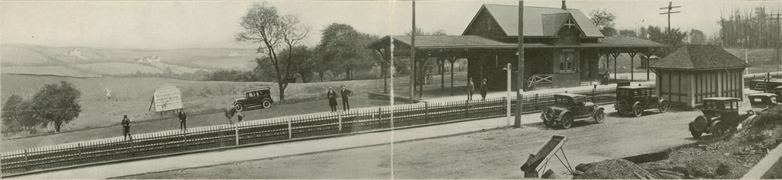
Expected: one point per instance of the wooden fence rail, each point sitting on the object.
(271, 130)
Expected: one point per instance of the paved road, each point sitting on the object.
(673, 138)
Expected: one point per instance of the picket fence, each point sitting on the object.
(270, 131)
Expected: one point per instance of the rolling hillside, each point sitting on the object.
(95, 62)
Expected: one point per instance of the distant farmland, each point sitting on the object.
(90, 62)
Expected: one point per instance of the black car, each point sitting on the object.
(254, 97)
(720, 116)
(569, 107)
(635, 99)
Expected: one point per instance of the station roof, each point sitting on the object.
(700, 57)
(478, 42)
(634, 87)
(722, 99)
(537, 20)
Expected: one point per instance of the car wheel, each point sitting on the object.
(267, 104)
(638, 110)
(239, 107)
(663, 106)
(719, 130)
(600, 116)
(567, 121)
(548, 117)
(695, 133)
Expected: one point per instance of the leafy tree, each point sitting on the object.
(265, 27)
(421, 32)
(56, 104)
(697, 37)
(604, 21)
(13, 114)
(627, 33)
(342, 48)
(299, 61)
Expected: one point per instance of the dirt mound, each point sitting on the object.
(613, 169)
(720, 158)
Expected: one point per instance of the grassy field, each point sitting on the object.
(105, 99)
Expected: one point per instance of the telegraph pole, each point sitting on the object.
(412, 59)
(669, 8)
(778, 44)
(520, 71)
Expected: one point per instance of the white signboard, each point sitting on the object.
(167, 98)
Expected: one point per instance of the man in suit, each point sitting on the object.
(332, 99)
(484, 88)
(344, 93)
(182, 120)
(126, 127)
(470, 89)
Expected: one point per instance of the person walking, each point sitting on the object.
(344, 93)
(484, 88)
(470, 89)
(126, 127)
(182, 120)
(239, 116)
(332, 99)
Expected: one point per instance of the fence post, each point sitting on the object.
(467, 109)
(290, 131)
(340, 121)
(380, 119)
(78, 147)
(426, 112)
(26, 163)
(236, 134)
(506, 104)
(536, 101)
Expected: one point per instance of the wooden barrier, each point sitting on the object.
(271, 130)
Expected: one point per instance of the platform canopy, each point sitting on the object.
(473, 42)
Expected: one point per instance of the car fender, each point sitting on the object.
(562, 114)
(637, 103)
(594, 112)
(713, 123)
(661, 100)
(270, 99)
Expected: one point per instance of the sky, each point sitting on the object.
(214, 24)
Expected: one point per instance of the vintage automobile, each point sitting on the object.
(720, 116)
(635, 99)
(761, 101)
(569, 107)
(254, 97)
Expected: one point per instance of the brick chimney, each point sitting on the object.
(564, 7)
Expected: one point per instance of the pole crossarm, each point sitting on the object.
(669, 8)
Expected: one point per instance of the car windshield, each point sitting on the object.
(720, 105)
(564, 100)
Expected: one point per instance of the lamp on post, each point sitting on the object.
(507, 103)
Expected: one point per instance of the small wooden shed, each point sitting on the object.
(695, 72)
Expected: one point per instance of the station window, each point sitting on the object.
(566, 61)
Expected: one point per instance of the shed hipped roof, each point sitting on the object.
(507, 16)
(477, 42)
(700, 57)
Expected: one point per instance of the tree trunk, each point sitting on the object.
(57, 126)
(282, 91)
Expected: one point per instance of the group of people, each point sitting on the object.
(126, 124)
(471, 89)
(332, 96)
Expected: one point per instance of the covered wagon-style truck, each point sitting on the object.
(696, 72)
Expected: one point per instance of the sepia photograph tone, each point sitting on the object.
(391, 89)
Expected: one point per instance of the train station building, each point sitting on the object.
(562, 47)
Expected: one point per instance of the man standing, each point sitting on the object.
(484, 88)
(126, 126)
(239, 115)
(345, 93)
(470, 89)
(182, 120)
(332, 99)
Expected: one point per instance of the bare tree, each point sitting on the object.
(265, 27)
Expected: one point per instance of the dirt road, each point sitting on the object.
(492, 154)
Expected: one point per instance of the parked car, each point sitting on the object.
(569, 107)
(635, 99)
(720, 116)
(761, 101)
(254, 97)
